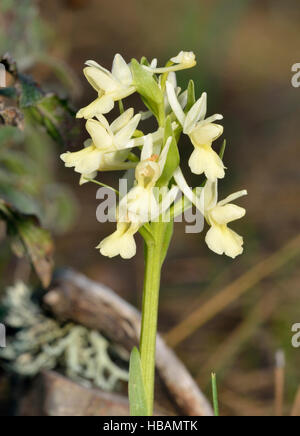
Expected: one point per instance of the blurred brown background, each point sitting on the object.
(245, 51)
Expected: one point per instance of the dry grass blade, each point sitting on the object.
(279, 382)
(296, 406)
(225, 353)
(232, 292)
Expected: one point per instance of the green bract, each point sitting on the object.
(147, 87)
(173, 158)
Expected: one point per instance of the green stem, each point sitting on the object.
(155, 251)
(215, 394)
(150, 310)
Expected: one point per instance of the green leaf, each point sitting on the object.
(30, 93)
(9, 92)
(173, 158)
(39, 247)
(17, 162)
(21, 201)
(191, 100)
(147, 87)
(10, 133)
(36, 241)
(58, 119)
(136, 389)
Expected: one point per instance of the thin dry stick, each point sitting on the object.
(296, 406)
(224, 354)
(232, 292)
(279, 382)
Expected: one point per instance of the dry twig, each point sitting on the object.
(95, 306)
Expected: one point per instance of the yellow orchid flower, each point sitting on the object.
(116, 136)
(220, 238)
(202, 133)
(90, 160)
(184, 60)
(141, 204)
(110, 86)
(121, 242)
(108, 149)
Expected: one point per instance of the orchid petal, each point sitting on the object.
(85, 161)
(99, 79)
(121, 242)
(99, 135)
(205, 160)
(96, 65)
(226, 214)
(124, 135)
(184, 57)
(104, 122)
(84, 177)
(121, 71)
(205, 134)
(223, 240)
(183, 98)
(122, 120)
(101, 105)
(147, 149)
(153, 63)
(210, 194)
(196, 113)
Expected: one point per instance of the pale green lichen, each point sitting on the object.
(40, 342)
